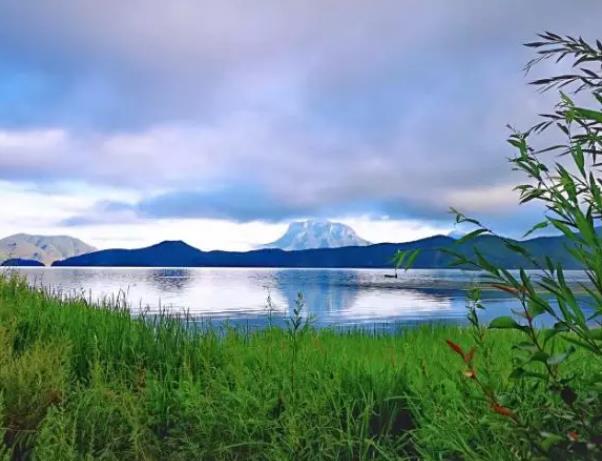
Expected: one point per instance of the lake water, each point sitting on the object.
(335, 297)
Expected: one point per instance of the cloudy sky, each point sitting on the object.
(129, 122)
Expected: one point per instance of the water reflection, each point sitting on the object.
(324, 292)
(333, 297)
(170, 280)
(400, 304)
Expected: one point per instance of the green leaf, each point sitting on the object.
(595, 334)
(521, 372)
(536, 227)
(550, 440)
(577, 153)
(559, 358)
(515, 247)
(410, 261)
(398, 258)
(540, 356)
(536, 307)
(484, 264)
(564, 229)
(526, 346)
(461, 218)
(580, 343)
(517, 373)
(549, 334)
(505, 322)
(471, 235)
(588, 114)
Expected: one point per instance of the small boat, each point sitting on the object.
(391, 276)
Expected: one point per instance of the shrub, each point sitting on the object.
(567, 423)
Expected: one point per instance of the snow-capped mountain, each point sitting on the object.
(303, 235)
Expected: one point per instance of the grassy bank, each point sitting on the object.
(77, 382)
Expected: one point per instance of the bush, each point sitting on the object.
(568, 422)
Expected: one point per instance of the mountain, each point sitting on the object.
(179, 254)
(164, 254)
(304, 235)
(43, 248)
(14, 262)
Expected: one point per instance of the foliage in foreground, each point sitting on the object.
(78, 382)
(570, 190)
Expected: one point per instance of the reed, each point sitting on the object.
(90, 381)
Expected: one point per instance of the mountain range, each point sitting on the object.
(45, 249)
(180, 254)
(305, 235)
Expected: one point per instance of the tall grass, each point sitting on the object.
(81, 382)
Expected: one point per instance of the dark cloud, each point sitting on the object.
(243, 203)
(243, 111)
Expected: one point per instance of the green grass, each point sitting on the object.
(93, 383)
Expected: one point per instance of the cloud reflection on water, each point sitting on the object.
(333, 297)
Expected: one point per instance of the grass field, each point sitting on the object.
(92, 383)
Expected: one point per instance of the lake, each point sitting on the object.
(342, 298)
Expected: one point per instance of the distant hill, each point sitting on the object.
(43, 248)
(304, 235)
(164, 254)
(179, 254)
(14, 262)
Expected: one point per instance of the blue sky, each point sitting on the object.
(125, 123)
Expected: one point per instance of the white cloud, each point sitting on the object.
(28, 209)
(334, 108)
(395, 230)
(206, 234)
(490, 199)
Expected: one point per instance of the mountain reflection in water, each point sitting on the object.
(345, 297)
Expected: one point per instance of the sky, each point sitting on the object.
(219, 122)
